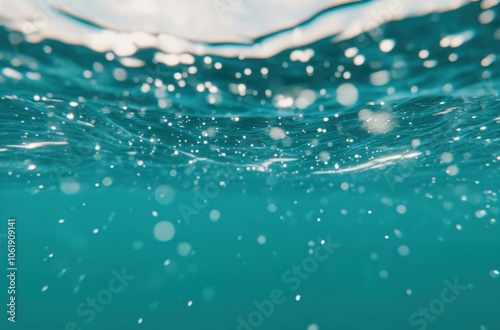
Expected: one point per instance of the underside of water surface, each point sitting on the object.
(247, 165)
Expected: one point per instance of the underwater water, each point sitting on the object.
(292, 172)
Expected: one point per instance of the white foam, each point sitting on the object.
(194, 26)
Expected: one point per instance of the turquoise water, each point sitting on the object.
(356, 189)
